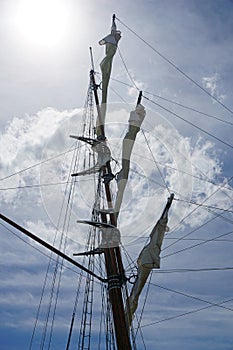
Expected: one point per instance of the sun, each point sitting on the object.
(42, 22)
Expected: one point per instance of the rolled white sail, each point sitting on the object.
(135, 121)
(111, 42)
(103, 156)
(148, 259)
(111, 236)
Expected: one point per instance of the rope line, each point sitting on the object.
(39, 163)
(188, 122)
(176, 67)
(206, 179)
(185, 314)
(198, 244)
(190, 108)
(127, 70)
(175, 103)
(143, 307)
(161, 175)
(203, 205)
(206, 269)
(191, 296)
(192, 211)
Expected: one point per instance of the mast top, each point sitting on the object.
(168, 205)
(139, 98)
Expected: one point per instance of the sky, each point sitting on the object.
(172, 50)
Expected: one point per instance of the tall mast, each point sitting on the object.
(113, 259)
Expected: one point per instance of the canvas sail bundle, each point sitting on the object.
(110, 41)
(135, 121)
(148, 259)
(103, 155)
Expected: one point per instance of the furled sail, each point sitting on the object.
(111, 42)
(110, 234)
(148, 259)
(103, 155)
(135, 121)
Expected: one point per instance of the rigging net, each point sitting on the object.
(95, 262)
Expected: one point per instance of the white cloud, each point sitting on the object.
(180, 160)
(23, 142)
(212, 84)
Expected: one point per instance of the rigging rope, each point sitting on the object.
(188, 122)
(203, 205)
(198, 244)
(182, 220)
(185, 313)
(144, 304)
(130, 76)
(206, 179)
(176, 67)
(39, 163)
(192, 297)
(174, 102)
(190, 108)
(194, 230)
(162, 177)
(69, 190)
(207, 269)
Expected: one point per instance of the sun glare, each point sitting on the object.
(42, 22)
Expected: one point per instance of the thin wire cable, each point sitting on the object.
(207, 269)
(198, 239)
(143, 131)
(65, 229)
(191, 296)
(192, 211)
(175, 103)
(206, 179)
(203, 205)
(127, 70)
(161, 175)
(185, 314)
(190, 123)
(198, 244)
(68, 191)
(38, 250)
(216, 214)
(176, 67)
(189, 108)
(43, 338)
(34, 186)
(143, 307)
(37, 164)
(54, 291)
(194, 230)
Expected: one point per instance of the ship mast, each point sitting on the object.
(113, 259)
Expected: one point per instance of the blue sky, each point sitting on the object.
(44, 77)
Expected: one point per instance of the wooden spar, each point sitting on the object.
(49, 246)
(113, 259)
